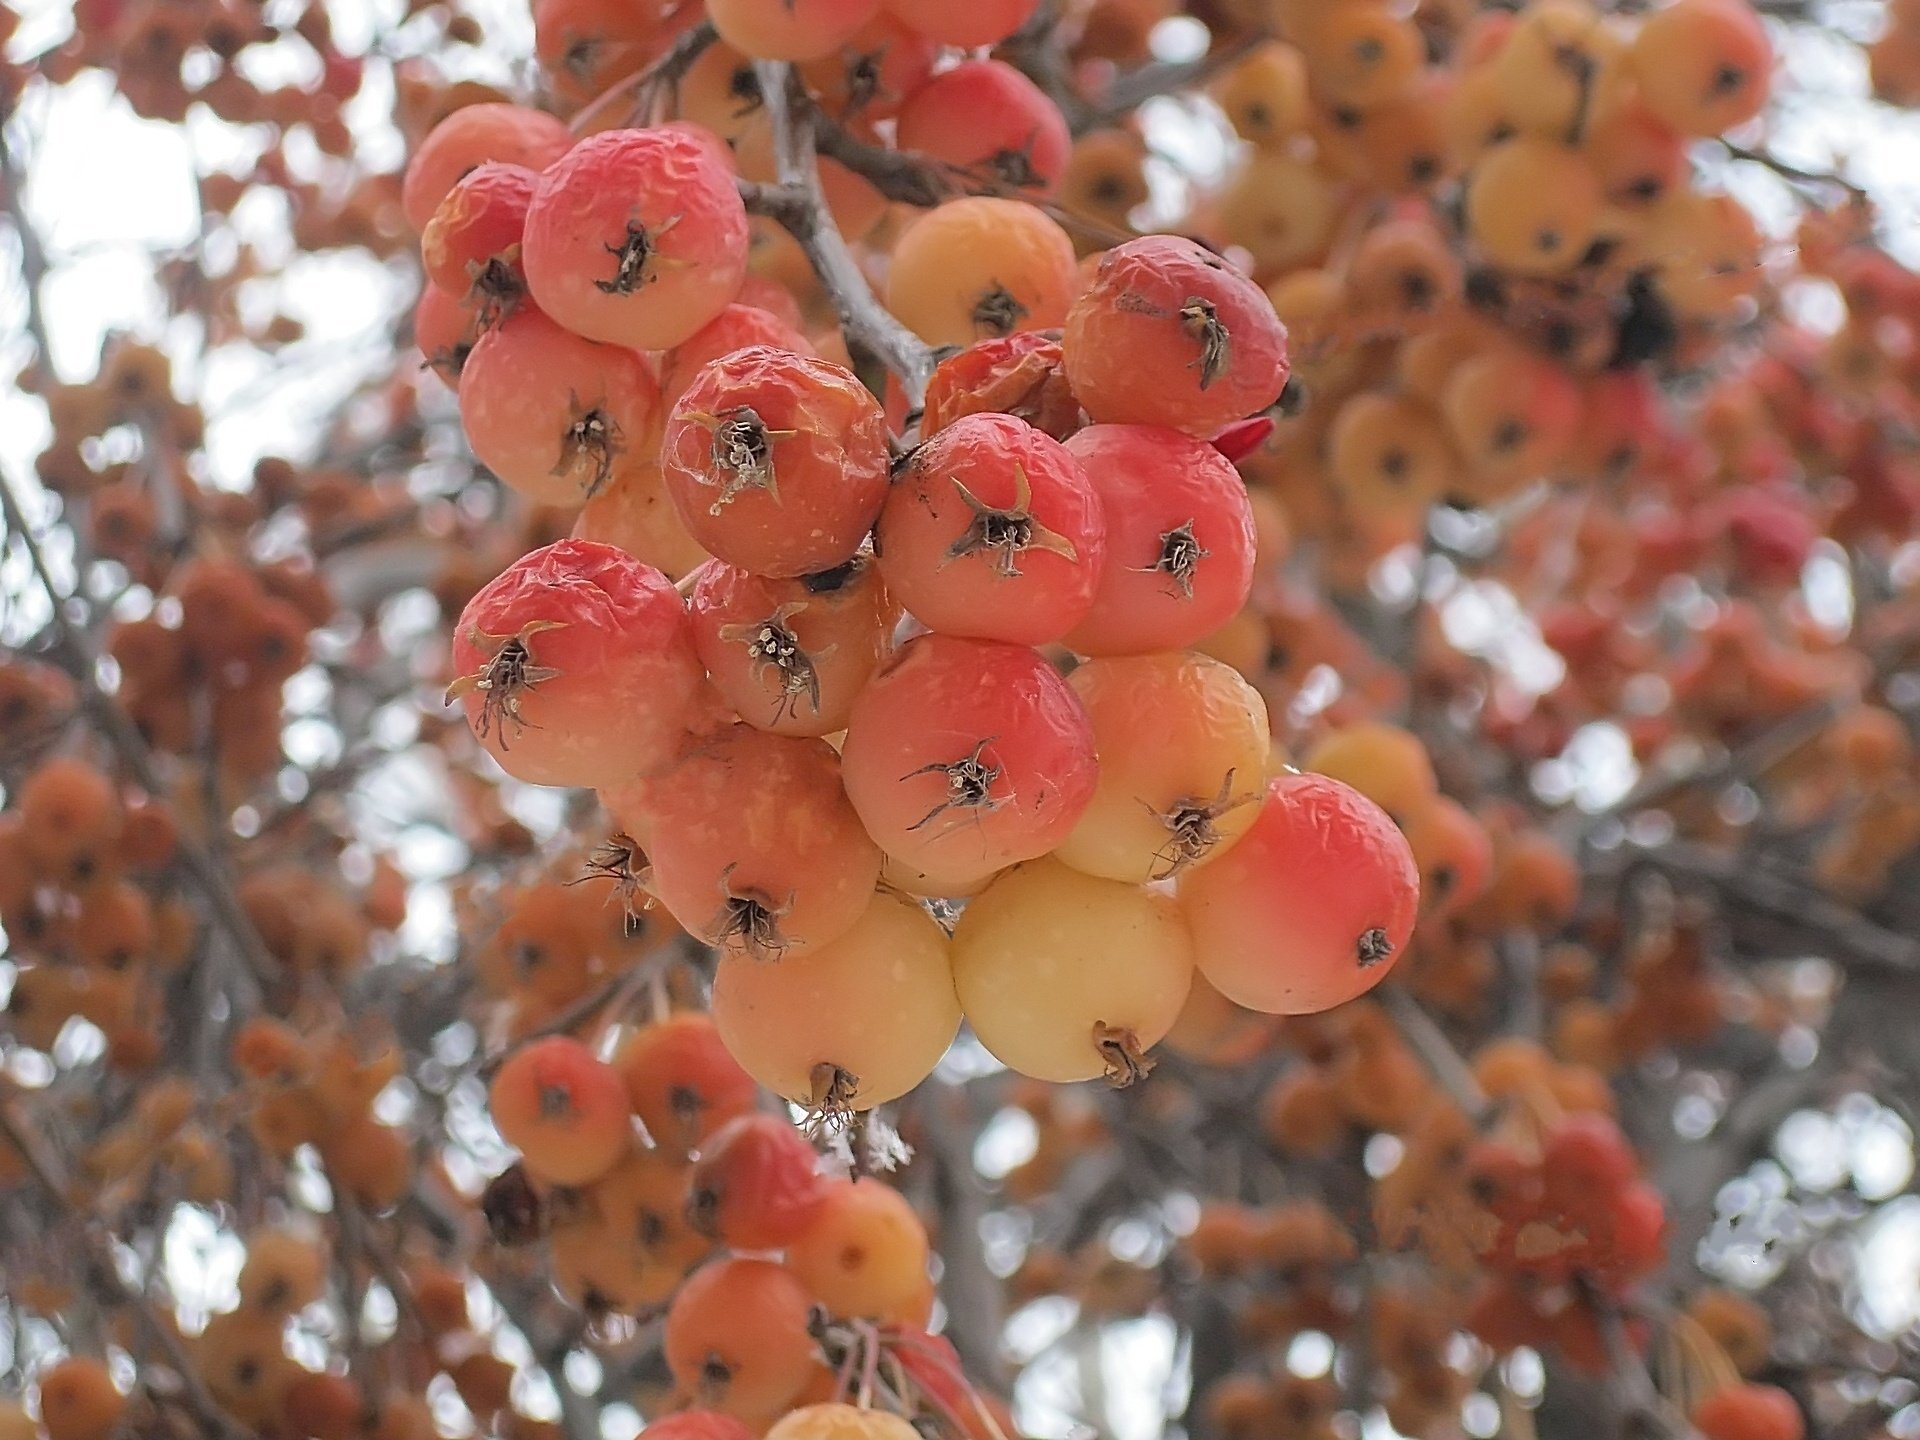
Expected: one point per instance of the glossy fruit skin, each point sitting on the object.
(1141, 347)
(737, 1339)
(939, 561)
(747, 815)
(555, 416)
(1180, 540)
(1176, 733)
(865, 1254)
(878, 1002)
(624, 676)
(471, 136)
(1311, 907)
(755, 1184)
(1045, 955)
(480, 221)
(565, 1110)
(1749, 1412)
(676, 188)
(940, 702)
(979, 267)
(803, 494)
(985, 118)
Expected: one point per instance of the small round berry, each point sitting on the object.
(988, 121)
(563, 1110)
(981, 266)
(473, 135)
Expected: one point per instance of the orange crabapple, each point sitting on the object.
(755, 1184)
(864, 1254)
(1511, 416)
(754, 846)
(776, 461)
(879, 1012)
(987, 120)
(1453, 851)
(965, 756)
(981, 266)
(791, 655)
(1390, 452)
(1558, 55)
(1168, 333)
(681, 1080)
(1749, 1412)
(1180, 539)
(1064, 976)
(636, 237)
(737, 1338)
(631, 512)
(1311, 907)
(471, 136)
(78, 1400)
(1534, 206)
(562, 1109)
(985, 23)
(584, 46)
(471, 246)
(1183, 745)
(734, 328)
(992, 531)
(789, 29)
(630, 1246)
(576, 666)
(553, 415)
(1703, 66)
(836, 1420)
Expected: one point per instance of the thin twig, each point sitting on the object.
(1436, 1052)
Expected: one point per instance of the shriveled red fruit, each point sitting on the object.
(1180, 539)
(576, 666)
(555, 416)
(873, 71)
(562, 1109)
(879, 1006)
(755, 847)
(1311, 907)
(993, 531)
(584, 46)
(1020, 374)
(791, 655)
(1749, 1412)
(636, 237)
(444, 330)
(1183, 744)
(471, 136)
(1168, 333)
(777, 461)
(789, 29)
(1067, 977)
(737, 1338)
(965, 756)
(987, 120)
(986, 23)
(471, 246)
(734, 328)
(681, 1082)
(756, 1184)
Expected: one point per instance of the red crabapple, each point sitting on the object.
(1066, 977)
(756, 1184)
(584, 46)
(873, 71)
(985, 118)
(445, 330)
(1019, 374)
(636, 237)
(576, 666)
(986, 22)
(555, 416)
(878, 1006)
(777, 461)
(1170, 334)
(791, 655)
(1180, 539)
(992, 531)
(1749, 1412)
(471, 246)
(737, 1338)
(681, 1082)
(734, 328)
(965, 756)
(563, 1110)
(1311, 907)
(754, 846)
(789, 29)
(471, 136)
(1183, 745)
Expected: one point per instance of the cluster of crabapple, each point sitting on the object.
(766, 1267)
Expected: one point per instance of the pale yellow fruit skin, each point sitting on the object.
(840, 1422)
(878, 1002)
(1170, 729)
(1046, 954)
